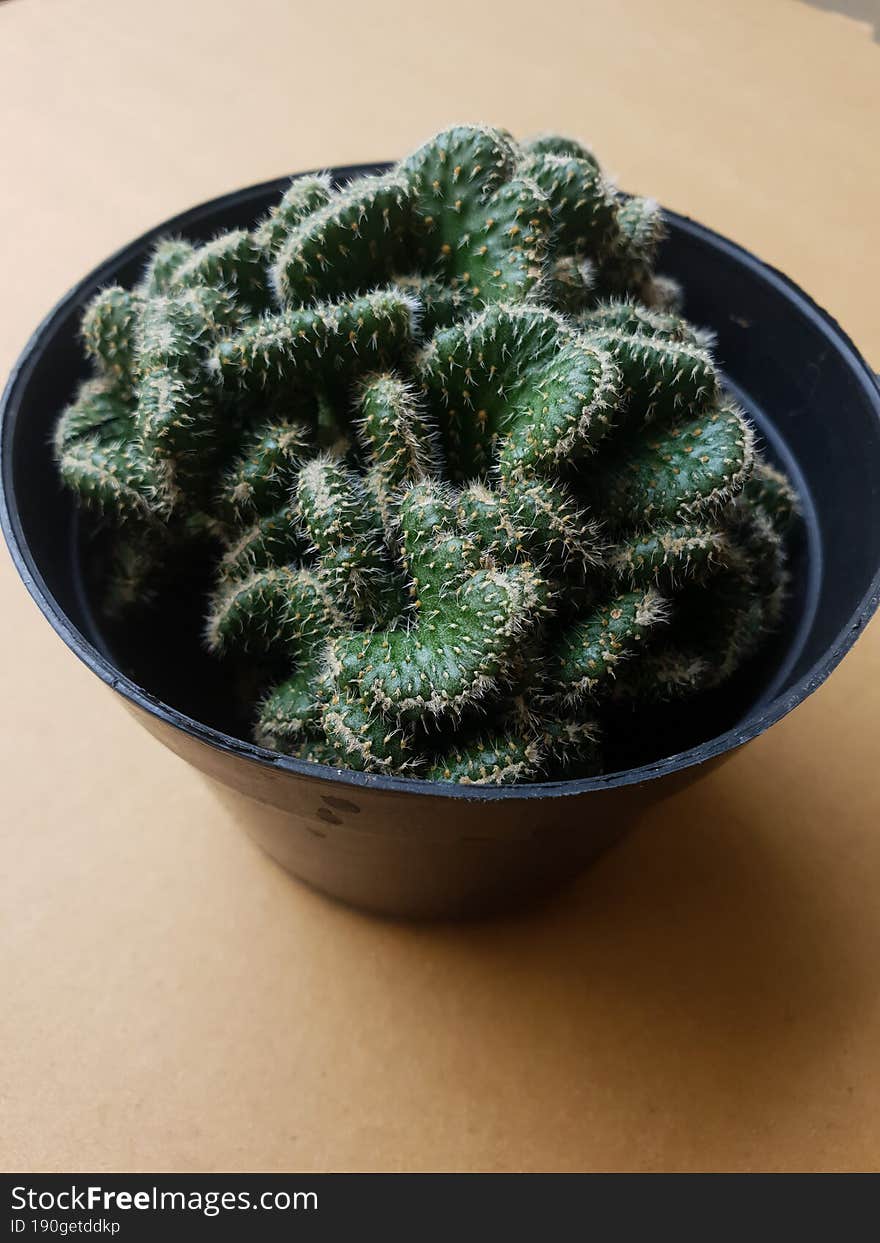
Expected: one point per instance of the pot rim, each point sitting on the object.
(751, 727)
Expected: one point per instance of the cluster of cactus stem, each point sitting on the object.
(466, 475)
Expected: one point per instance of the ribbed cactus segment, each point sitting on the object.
(260, 480)
(664, 672)
(348, 538)
(112, 475)
(495, 759)
(535, 748)
(669, 555)
(717, 625)
(569, 284)
(454, 173)
(570, 742)
(331, 505)
(628, 265)
(355, 240)
(452, 656)
(232, 261)
(468, 487)
(427, 512)
(626, 317)
(364, 739)
(279, 608)
(770, 489)
(318, 751)
(516, 387)
(173, 415)
(177, 416)
(175, 328)
(400, 443)
(303, 196)
(441, 304)
(584, 207)
(480, 228)
(691, 467)
(326, 339)
(431, 549)
(108, 331)
(167, 257)
(532, 518)
(559, 145)
(588, 653)
(101, 460)
(98, 408)
(292, 711)
(663, 293)
(760, 562)
(660, 375)
(396, 431)
(274, 539)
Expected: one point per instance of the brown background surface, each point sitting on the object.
(708, 997)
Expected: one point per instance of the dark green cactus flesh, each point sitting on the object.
(466, 479)
(481, 225)
(355, 240)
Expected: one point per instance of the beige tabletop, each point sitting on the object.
(708, 996)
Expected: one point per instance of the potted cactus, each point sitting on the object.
(466, 478)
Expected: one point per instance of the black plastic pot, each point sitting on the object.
(419, 849)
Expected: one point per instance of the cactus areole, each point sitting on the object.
(467, 480)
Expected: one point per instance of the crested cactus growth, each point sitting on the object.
(467, 481)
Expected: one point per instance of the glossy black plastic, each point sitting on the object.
(417, 848)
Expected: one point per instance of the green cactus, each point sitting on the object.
(101, 457)
(326, 340)
(108, 332)
(303, 196)
(352, 242)
(466, 481)
(479, 227)
(517, 388)
(166, 257)
(231, 261)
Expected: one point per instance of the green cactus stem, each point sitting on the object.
(355, 239)
(303, 197)
(319, 340)
(166, 257)
(688, 468)
(628, 264)
(280, 608)
(585, 210)
(587, 655)
(467, 626)
(480, 228)
(232, 261)
(102, 460)
(518, 388)
(291, 712)
(668, 555)
(274, 539)
(559, 145)
(364, 738)
(108, 332)
(177, 414)
(348, 538)
(532, 518)
(490, 760)
(259, 481)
